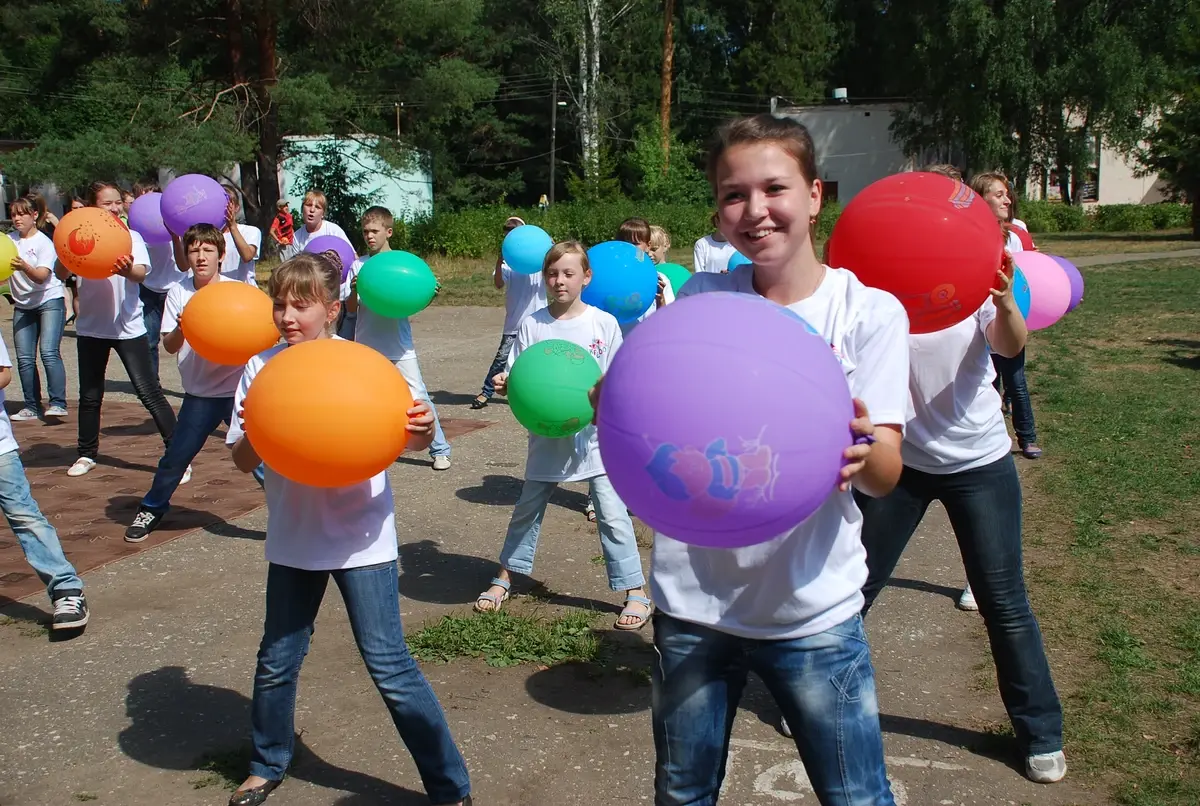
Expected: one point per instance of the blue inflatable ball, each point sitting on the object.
(525, 248)
(624, 280)
(738, 259)
(1020, 289)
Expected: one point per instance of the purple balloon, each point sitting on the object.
(193, 199)
(332, 243)
(145, 218)
(1076, 278)
(732, 461)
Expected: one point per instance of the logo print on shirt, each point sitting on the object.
(597, 348)
(962, 196)
(715, 479)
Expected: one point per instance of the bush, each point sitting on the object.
(1043, 216)
(1121, 218)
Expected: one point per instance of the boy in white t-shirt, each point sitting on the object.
(242, 242)
(207, 387)
(314, 224)
(38, 539)
(523, 294)
(712, 252)
(390, 337)
(552, 461)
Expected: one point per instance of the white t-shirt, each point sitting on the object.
(390, 337)
(200, 377)
(954, 418)
(1013, 244)
(303, 236)
(523, 294)
(809, 579)
(232, 264)
(711, 255)
(38, 251)
(577, 457)
(668, 298)
(318, 528)
(8, 443)
(164, 272)
(111, 308)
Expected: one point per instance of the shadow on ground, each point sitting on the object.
(505, 490)
(1180, 352)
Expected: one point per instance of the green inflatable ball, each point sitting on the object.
(548, 388)
(676, 274)
(396, 284)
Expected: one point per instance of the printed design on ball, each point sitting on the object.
(193, 197)
(627, 306)
(940, 300)
(715, 479)
(572, 352)
(82, 243)
(560, 428)
(962, 196)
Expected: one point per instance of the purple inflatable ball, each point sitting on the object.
(332, 243)
(193, 199)
(145, 218)
(1076, 278)
(727, 464)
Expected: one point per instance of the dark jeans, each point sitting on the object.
(1010, 374)
(823, 683)
(39, 331)
(93, 362)
(984, 506)
(153, 303)
(373, 606)
(498, 364)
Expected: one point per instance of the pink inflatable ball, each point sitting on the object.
(193, 199)
(1049, 289)
(145, 218)
(729, 464)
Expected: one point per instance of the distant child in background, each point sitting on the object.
(243, 242)
(71, 282)
(660, 244)
(523, 294)
(638, 232)
(127, 198)
(390, 337)
(315, 225)
(347, 534)
(712, 252)
(207, 387)
(282, 227)
(164, 273)
(551, 462)
(47, 221)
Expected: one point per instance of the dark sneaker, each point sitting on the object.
(143, 524)
(70, 612)
(480, 401)
(1031, 451)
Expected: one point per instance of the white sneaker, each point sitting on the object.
(441, 463)
(1046, 768)
(784, 728)
(187, 475)
(24, 414)
(56, 411)
(967, 600)
(82, 466)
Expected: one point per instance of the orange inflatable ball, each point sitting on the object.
(227, 322)
(89, 241)
(296, 414)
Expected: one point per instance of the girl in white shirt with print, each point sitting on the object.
(110, 320)
(551, 461)
(315, 225)
(786, 609)
(344, 533)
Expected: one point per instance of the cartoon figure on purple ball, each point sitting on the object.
(715, 479)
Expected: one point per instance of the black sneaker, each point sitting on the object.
(143, 524)
(70, 611)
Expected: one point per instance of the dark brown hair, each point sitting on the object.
(790, 135)
(144, 186)
(99, 186)
(25, 206)
(945, 169)
(379, 215)
(634, 231)
(205, 233)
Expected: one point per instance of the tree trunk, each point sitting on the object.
(668, 70)
(589, 80)
(237, 68)
(270, 142)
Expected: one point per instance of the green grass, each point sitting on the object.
(1112, 547)
(226, 770)
(506, 639)
(84, 797)
(1079, 244)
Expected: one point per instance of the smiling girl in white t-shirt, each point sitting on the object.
(551, 461)
(344, 533)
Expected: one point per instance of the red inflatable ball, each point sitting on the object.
(927, 239)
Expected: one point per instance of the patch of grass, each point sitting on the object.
(506, 639)
(226, 769)
(1111, 510)
(1079, 244)
(84, 797)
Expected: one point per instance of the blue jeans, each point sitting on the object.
(984, 505)
(617, 541)
(823, 683)
(1010, 372)
(411, 371)
(198, 418)
(40, 330)
(37, 537)
(373, 605)
(153, 303)
(498, 364)
(346, 324)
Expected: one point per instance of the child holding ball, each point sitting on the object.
(787, 609)
(552, 461)
(207, 387)
(347, 534)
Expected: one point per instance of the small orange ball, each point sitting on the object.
(297, 418)
(89, 241)
(227, 322)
